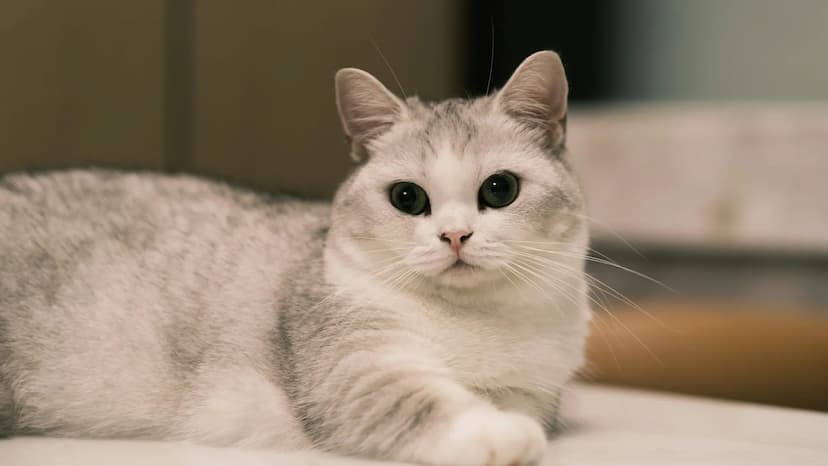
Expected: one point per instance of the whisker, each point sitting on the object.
(569, 297)
(401, 248)
(388, 65)
(402, 280)
(606, 288)
(618, 321)
(603, 262)
(388, 240)
(557, 243)
(526, 280)
(491, 59)
(610, 230)
(595, 284)
(572, 297)
(632, 334)
(506, 276)
(599, 327)
(600, 286)
(382, 263)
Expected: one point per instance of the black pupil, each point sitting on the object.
(499, 190)
(407, 197)
(500, 187)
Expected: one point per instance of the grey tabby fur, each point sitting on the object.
(139, 305)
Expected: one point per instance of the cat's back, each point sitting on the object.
(96, 199)
(87, 209)
(59, 223)
(142, 278)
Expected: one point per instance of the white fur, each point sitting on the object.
(482, 435)
(150, 306)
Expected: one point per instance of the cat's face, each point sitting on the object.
(458, 193)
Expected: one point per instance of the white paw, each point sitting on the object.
(484, 436)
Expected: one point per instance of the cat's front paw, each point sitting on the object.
(484, 436)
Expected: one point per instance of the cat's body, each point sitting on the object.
(171, 307)
(121, 293)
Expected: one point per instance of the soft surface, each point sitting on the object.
(605, 426)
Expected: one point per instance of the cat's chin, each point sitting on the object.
(463, 275)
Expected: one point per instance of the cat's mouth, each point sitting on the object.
(461, 266)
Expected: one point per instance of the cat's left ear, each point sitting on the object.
(367, 109)
(536, 95)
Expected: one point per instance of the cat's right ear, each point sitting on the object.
(536, 95)
(366, 108)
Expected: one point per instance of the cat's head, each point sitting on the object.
(458, 193)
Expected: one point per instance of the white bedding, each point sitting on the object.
(605, 426)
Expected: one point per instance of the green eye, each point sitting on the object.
(409, 198)
(499, 190)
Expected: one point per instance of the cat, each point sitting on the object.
(431, 313)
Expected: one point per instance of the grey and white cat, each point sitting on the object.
(431, 313)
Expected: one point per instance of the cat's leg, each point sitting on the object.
(542, 406)
(7, 415)
(238, 406)
(392, 405)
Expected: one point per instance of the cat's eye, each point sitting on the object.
(409, 198)
(499, 190)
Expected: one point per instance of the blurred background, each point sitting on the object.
(700, 129)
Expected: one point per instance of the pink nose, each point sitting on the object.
(455, 239)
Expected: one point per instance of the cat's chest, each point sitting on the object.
(515, 348)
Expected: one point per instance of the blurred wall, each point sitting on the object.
(81, 82)
(264, 95)
(720, 49)
(242, 90)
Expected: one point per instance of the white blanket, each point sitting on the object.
(604, 426)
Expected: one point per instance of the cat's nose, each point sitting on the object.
(455, 239)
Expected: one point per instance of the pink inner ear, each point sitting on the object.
(537, 91)
(537, 94)
(366, 107)
(364, 126)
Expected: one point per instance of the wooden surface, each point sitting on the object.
(728, 351)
